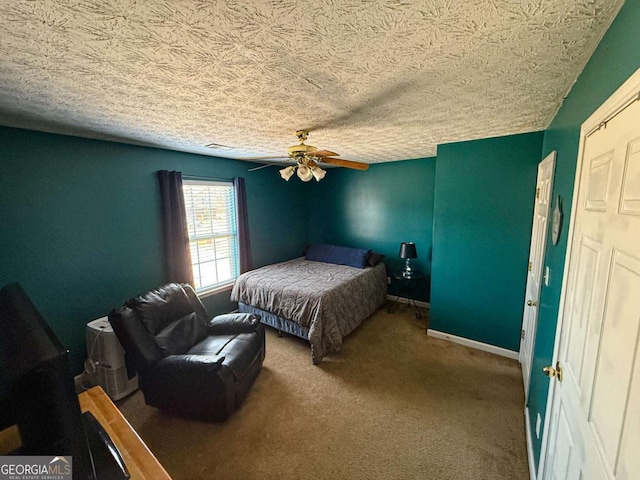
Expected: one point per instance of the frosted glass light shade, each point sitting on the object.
(287, 172)
(318, 173)
(304, 173)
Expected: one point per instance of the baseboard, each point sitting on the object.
(532, 465)
(406, 300)
(503, 352)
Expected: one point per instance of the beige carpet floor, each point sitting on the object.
(394, 404)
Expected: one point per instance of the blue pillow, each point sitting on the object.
(353, 257)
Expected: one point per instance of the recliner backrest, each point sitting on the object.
(158, 308)
(140, 346)
(165, 321)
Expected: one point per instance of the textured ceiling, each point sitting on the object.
(375, 81)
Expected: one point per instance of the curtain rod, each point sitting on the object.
(216, 179)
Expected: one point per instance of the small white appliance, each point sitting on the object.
(105, 365)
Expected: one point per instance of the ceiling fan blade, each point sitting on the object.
(277, 157)
(341, 162)
(324, 153)
(262, 166)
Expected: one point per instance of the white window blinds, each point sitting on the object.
(211, 221)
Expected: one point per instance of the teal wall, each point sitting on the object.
(80, 222)
(482, 227)
(388, 204)
(79, 219)
(616, 59)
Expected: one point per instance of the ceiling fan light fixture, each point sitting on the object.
(304, 173)
(307, 157)
(318, 173)
(287, 173)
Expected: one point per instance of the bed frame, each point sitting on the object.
(279, 323)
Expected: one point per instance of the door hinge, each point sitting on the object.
(530, 267)
(522, 334)
(538, 192)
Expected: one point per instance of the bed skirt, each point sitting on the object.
(279, 323)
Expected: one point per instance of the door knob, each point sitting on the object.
(551, 372)
(531, 303)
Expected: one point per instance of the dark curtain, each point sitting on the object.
(174, 228)
(244, 243)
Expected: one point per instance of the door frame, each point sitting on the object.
(624, 95)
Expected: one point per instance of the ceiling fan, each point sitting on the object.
(307, 159)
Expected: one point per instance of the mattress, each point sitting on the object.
(326, 300)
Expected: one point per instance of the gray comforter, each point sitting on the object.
(330, 300)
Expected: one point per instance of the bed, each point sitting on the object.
(318, 301)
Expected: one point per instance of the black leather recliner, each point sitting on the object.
(188, 364)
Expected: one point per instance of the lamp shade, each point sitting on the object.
(304, 173)
(318, 173)
(287, 172)
(408, 250)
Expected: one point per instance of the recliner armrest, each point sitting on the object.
(187, 365)
(233, 323)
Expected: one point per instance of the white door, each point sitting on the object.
(544, 187)
(594, 430)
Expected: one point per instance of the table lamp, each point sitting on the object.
(408, 251)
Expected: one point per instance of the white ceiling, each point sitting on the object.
(373, 80)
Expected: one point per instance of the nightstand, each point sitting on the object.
(408, 286)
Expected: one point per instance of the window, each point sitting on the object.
(211, 222)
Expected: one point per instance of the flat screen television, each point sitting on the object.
(37, 393)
